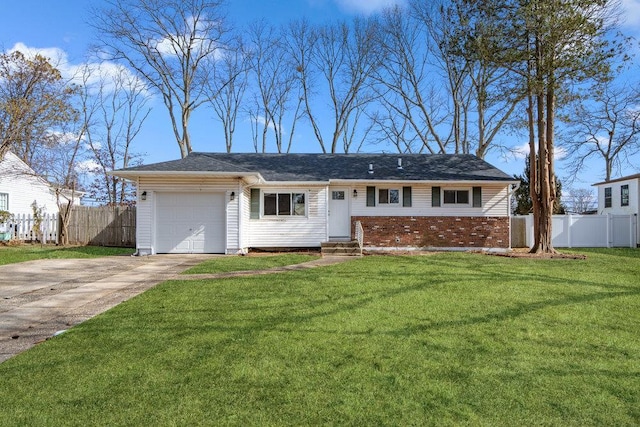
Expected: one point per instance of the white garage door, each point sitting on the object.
(190, 223)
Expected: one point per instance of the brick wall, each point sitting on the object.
(430, 231)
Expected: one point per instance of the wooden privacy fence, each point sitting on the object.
(98, 226)
(102, 226)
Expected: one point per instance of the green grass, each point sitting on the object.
(237, 263)
(446, 339)
(13, 254)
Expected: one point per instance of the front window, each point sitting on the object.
(4, 201)
(284, 204)
(607, 197)
(456, 197)
(388, 196)
(624, 195)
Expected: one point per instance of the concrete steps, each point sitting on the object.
(341, 249)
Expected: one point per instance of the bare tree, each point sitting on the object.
(61, 162)
(170, 44)
(338, 60)
(581, 200)
(411, 109)
(605, 126)
(276, 99)
(229, 85)
(114, 109)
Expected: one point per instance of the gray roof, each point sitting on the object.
(325, 167)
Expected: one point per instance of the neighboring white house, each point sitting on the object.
(20, 187)
(620, 196)
(225, 203)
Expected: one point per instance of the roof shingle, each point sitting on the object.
(325, 167)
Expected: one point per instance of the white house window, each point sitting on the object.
(337, 195)
(624, 195)
(388, 196)
(4, 201)
(456, 197)
(607, 197)
(284, 204)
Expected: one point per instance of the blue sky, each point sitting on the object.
(60, 27)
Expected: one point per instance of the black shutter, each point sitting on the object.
(371, 196)
(435, 197)
(477, 197)
(255, 203)
(406, 197)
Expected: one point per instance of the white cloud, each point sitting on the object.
(194, 39)
(522, 151)
(367, 7)
(631, 14)
(262, 120)
(88, 166)
(63, 138)
(73, 73)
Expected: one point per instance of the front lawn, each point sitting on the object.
(13, 254)
(251, 262)
(444, 339)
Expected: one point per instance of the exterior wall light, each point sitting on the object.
(232, 196)
(143, 196)
(355, 193)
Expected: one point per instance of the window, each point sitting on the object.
(337, 195)
(284, 204)
(388, 196)
(607, 197)
(456, 197)
(624, 195)
(4, 201)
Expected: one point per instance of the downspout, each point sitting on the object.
(513, 188)
(239, 199)
(137, 252)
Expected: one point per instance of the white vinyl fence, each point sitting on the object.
(22, 228)
(588, 231)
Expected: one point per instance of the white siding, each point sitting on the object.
(146, 215)
(616, 208)
(495, 202)
(294, 231)
(19, 181)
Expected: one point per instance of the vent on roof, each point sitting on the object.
(399, 164)
(371, 168)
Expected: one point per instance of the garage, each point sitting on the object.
(190, 223)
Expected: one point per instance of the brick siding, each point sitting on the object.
(438, 231)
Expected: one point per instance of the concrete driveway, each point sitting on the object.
(39, 298)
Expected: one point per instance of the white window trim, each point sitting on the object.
(622, 203)
(263, 193)
(469, 191)
(389, 189)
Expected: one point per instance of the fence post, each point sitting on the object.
(569, 225)
(609, 230)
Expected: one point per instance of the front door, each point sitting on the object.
(339, 218)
